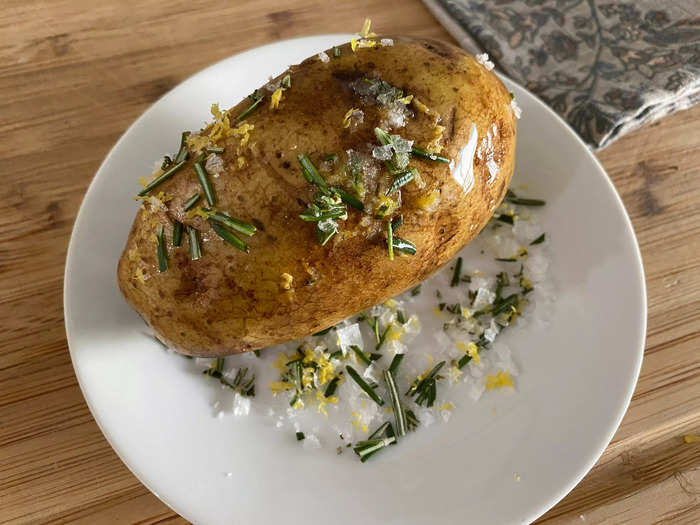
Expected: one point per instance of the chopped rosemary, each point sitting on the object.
(228, 236)
(167, 161)
(190, 203)
(385, 429)
(215, 368)
(514, 199)
(323, 332)
(539, 240)
(420, 152)
(506, 259)
(204, 182)
(214, 149)
(257, 353)
(508, 219)
(255, 99)
(195, 250)
(286, 81)
(331, 157)
(426, 389)
(300, 436)
(399, 414)
(411, 420)
(244, 386)
(401, 179)
(336, 52)
(390, 240)
(415, 290)
(349, 199)
(396, 223)
(364, 386)
(336, 355)
(310, 172)
(160, 180)
(332, 385)
(162, 254)
(456, 276)
(400, 317)
(504, 304)
(177, 233)
(395, 362)
(182, 153)
(404, 246)
(233, 224)
(361, 355)
(365, 449)
(382, 337)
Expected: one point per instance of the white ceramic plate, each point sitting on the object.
(576, 382)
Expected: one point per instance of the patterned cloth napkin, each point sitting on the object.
(606, 67)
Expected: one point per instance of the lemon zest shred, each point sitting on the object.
(280, 386)
(446, 406)
(353, 44)
(276, 97)
(691, 438)
(500, 380)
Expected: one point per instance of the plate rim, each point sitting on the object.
(639, 267)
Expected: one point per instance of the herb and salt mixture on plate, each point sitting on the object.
(364, 384)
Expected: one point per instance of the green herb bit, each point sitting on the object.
(390, 240)
(182, 153)
(361, 355)
(349, 199)
(426, 388)
(310, 172)
(296, 372)
(505, 304)
(255, 98)
(412, 421)
(177, 233)
(257, 353)
(404, 246)
(539, 240)
(228, 236)
(441, 306)
(331, 157)
(311, 215)
(332, 386)
(215, 368)
(366, 449)
(195, 249)
(324, 236)
(508, 219)
(162, 254)
(506, 259)
(236, 225)
(300, 436)
(399, 414)
(415, 290)
(336, 355)
(323, 332)
(204, 182)
(420, 152)
(401, 179)
(382, 337)
(167, 161)
(190, 203)
(286, 81)
(245, 387)
(336, 52)
(214, 149)
(395, 362)
(514, 199)
(396, 223)
(385, 429)
(160, 180)
(456, 276)
(382, 136)
(364, 386)
(401, 317)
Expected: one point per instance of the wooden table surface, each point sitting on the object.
(74, 74)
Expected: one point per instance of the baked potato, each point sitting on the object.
(342, 182)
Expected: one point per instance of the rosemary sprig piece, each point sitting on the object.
(182, 153)
(426, 388)
(190, 203)
(399, 414)
(162, 254)
(404, 246)
(506, 259)
(177, 233)
(415, 290)
(286, 81)
(332, 386)
(382, 337)
(508, 219)
(349, 199)
(401, 179)
(160, 180)
(228, 236)
(514, 199)
(411, 420)
(193, 237)
(390, 239)
(366, 449)
(539, 240)
(396, 223)
(395, 362)
(214, 149)
(420, 152)
(204, 182)
(336, 52)
(457, 275)
(310, 172)
(364, 386)
(255, 98)
(167, 161)
(385, 429)
(234, 224)
(215, 368)
(245, 387)
(300, 436)
(361, 355)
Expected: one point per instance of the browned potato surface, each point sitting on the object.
(289, 285)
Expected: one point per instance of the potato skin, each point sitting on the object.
(229, 301)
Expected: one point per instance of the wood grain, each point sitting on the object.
(74, 74)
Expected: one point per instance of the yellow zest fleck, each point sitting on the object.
(196, 142)
(346, 118)
(691, 438)
(385, 206)
(133, 254)
(197, 212)
(241, 162)
(430, 360)
(500, 380)
(454, 373)
(140, 276)
(357, 423)
(325, 370)
(281, 362)
(280, 386)
(471, 349)
(143, 181)
(522, 253)
(446, 406)
(395, 334)
(366, 43)
(391, 303)
(525, 282)
(420, 106)
(243, 131)
(276, 97)
(353, 44)
(154, 238)
(406, 100)
(286, 281)
(365, 31)
(298, 405)
(437, 311)
(434, 145)
(426, 202)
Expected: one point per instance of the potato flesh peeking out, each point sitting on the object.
(298, 185)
